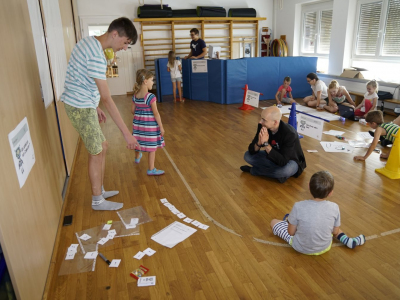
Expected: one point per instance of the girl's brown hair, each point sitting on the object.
(141, 76)
(334, 85)
(171, 58)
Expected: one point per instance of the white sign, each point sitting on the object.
(199, 66)
(22, 150)
(310, 126)
(252, 98)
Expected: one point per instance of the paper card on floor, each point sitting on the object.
(149, 251)
(70, 255)
(175, 211)
(311, 151)
(73, 247)
(110, 236)
(147, 281)
(112, 231)
(139, 255)
(91, 255)
(85, 237)
(102, 241)
(134, 221)
(129, 226)
(188, 220)
(364, 135)
(167, 204)
(203, 226)
(196, 223)
(107, 227)
(115, 263)
(333, 132)
(164, 200)
(72, 250)
(181, 215)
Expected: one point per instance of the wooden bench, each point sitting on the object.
(359, 97)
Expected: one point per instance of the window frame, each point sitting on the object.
(383, 19)
(318, 8)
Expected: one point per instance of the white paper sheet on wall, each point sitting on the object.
(22, 150)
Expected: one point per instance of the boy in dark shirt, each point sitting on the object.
(198, 48)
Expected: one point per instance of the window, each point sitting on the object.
(378, 30)
(316, 32)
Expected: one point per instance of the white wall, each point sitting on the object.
(287, 21)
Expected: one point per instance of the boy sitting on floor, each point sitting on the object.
(312, 223)
(386, 130)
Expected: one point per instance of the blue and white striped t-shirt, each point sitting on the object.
(86, 63)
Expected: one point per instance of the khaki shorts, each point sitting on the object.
(86, 122)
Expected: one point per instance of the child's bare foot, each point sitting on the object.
(384, 155)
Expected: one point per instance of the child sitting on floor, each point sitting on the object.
(386, 130)
(281, 95)
(338, 95)
(370, 100)
(312, 223)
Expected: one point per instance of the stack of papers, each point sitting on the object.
(173, 234)
(71, 251)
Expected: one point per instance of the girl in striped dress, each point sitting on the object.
(147, 126)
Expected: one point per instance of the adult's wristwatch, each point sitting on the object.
(265, 144)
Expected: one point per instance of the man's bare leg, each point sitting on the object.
(96, 175)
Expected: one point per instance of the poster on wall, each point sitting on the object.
(310, 126)
(22, 150)
(199, 66)
(252, 98)
(247, 50)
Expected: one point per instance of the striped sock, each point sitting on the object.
(349, 242)
(360, 240)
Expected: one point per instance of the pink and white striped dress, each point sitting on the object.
(145, 127)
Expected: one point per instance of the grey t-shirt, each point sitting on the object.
(315, 221)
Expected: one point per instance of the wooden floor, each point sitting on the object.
(207, 141)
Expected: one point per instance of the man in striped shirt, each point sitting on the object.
(387, 130)
(85, 84)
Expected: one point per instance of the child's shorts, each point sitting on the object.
(86, 122)
(179, 79)
(286, 100)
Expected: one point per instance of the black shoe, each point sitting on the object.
(245, 168)
(371, 133)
